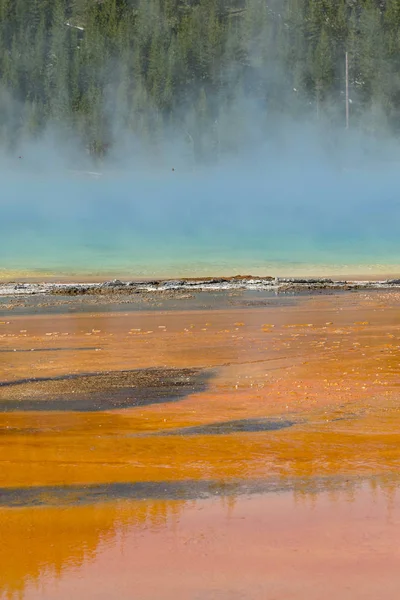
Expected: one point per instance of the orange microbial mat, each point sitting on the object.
(232, 452)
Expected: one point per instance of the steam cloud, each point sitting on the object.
(273, 193)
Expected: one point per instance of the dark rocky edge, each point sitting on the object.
(239, 282)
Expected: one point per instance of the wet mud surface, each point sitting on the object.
(234, 451)
(100, 391)
(169, 300)
(227, 427)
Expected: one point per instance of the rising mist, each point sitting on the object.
(165, 137)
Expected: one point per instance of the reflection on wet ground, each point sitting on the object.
(285, 545)
(275, 465)
(172, 490)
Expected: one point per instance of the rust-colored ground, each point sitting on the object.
(325, 369)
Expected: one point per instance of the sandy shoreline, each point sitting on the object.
(349, 272)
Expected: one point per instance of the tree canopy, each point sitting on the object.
(194, 69)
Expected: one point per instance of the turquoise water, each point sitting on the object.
(275, 221)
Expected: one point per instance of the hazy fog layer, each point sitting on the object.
(245, 100)
(297, 211)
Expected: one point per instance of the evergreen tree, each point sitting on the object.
(104, 69)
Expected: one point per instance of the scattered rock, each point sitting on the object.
(298, 280)
(113, 283)
(173, 284)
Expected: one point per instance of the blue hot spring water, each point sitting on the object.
(274, 220)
